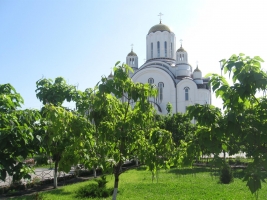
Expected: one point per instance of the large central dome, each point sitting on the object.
(159, 27)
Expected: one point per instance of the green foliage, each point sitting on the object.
(158, 151)
(178, 124)
(101, 182)
(169, 108)
(54, 92)
(18, 134)
(243, 124)
(226, 175)
(65, 131)
(41, 160)
(123, 121)
(209, 136)
(94, 190)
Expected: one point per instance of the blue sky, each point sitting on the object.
(81, 40)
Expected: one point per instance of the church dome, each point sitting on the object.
(110, 76)
(197, 74)
(181, 49)
(132, 54)
(159, 27)
(197, 70)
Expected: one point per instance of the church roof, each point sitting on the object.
(181, 49)
(159, 27)
(132, 54)
(110, 75)
(197, 70)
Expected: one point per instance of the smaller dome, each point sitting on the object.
(197, 75)
(132, 54)
(197, 70)
(159, 27)
(181, 49)
(110, 75)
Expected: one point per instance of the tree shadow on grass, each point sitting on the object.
(238, 173)
(59, 191)
(42, 194)
(141, 168)
(187, 170)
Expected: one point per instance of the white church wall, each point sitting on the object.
(203, 96)
(159, 75)
(182, 102)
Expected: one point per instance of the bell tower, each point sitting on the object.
(132, 59)
(181, 55)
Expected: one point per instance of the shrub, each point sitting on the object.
(95, 190)
(226, 176)
(101, 182)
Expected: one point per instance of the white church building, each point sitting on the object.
(168, 69)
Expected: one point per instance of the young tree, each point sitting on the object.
(245, 119)
(209, 136)
(124, 119)
(85, 107)
(178, 124)
(158, 151)
(246, 113)
(17, 134)
(66, 130)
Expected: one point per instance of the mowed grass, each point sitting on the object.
(196, 183)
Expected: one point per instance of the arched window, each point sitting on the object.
(151, 50)
(160, 91)
(186, 92)
(171, 51)
(133, 61)
(165, 48)
(158, 48)
(151, 81)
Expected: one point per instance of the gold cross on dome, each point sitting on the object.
(181, 41)
(132, 46)
(160, 14)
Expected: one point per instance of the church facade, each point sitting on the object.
(168, 69)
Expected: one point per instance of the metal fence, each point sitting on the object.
(38, 175)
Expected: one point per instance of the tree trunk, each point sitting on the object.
(116, 181)
(94, 172)
(136, 161)
(55, 174)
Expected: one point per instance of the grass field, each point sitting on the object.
(173, 184)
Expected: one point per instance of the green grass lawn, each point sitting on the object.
(173, 184)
